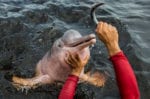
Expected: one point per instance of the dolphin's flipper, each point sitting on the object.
(93, 16)
(24, 84)
(97, 79)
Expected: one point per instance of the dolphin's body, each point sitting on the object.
(52, 67)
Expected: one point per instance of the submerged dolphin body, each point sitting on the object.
(53, 68)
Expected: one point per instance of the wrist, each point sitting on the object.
(113, 48)
(76, 72)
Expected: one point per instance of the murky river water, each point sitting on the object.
(28, 29)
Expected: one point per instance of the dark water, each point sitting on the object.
(28, 29)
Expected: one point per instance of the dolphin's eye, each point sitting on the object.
(59, 45)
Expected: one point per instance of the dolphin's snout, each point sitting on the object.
(92, 36)
(93, 41)
(83, 42)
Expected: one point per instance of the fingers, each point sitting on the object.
(67, 58)
(77, 57)
(104, 26)
(99, 26)
(73, 60)
(106, 32)
(86, 60)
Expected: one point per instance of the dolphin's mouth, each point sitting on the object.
(83, 41)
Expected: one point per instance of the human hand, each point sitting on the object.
(108, 34)
(76, 63)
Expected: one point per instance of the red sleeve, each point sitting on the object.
(69, 87)
(125, 77)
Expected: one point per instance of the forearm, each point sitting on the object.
(125, 77)
(69, 87)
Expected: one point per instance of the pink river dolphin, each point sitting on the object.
(52, 68)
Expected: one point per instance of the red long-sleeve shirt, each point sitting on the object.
(124, 75)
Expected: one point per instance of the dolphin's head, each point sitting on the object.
(73, 42)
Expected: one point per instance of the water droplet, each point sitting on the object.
(100, 52)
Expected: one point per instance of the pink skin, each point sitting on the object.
(54, 64)
(52, 67)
